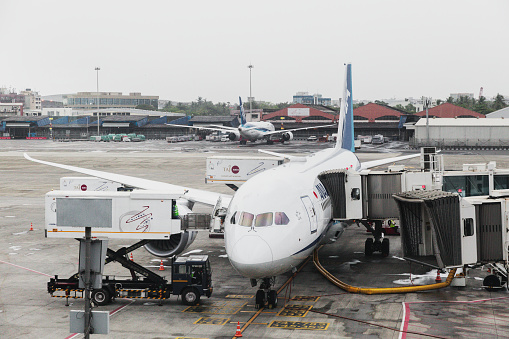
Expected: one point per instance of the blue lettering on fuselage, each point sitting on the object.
(322, 191)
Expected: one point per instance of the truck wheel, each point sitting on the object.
(101, 297)
(190, 297)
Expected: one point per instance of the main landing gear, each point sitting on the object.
(265, 295)
(378, 243)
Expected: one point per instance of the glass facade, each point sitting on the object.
(89, 101)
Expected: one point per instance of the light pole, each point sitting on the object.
(98, 69)
(250, 95)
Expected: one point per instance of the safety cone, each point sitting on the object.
(131, 257)
(438, 278)
(238, 334)
(31, 227)
(161, 267)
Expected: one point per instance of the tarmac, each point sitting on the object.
(309, 306)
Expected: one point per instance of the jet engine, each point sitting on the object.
(234, 136)
(287, 136)
(175, 245)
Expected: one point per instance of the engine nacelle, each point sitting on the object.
(234, 136)
(175, 245)
(334, 231)
(287, 136)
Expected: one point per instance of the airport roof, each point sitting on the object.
(373, 111)
(501, 113)
(212, 118)
(448, 110)
(462, 122)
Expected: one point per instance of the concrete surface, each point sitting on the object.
(28, 260)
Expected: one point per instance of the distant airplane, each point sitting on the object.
(252, 131)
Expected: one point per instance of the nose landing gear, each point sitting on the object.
(265, 295)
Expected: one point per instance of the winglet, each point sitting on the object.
(242, 116)
(345, 137)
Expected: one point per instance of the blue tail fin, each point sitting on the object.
(345, 137)
(242, 116)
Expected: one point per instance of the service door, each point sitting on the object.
(311, 212)
(468, 233)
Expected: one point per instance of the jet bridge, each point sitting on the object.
(457, 231)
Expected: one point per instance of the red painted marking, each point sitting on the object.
(8, 263)
(315, 194)
(235, 169)
(83, 187)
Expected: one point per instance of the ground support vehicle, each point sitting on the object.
(190, 279)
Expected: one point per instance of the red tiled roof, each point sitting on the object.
(448, 110)
(373, 111)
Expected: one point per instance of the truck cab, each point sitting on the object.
(191, 278)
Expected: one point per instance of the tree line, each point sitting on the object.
(481, 105)
(202, 106)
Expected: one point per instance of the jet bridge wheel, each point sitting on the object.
(368, 247)
(385, 247)
(492, 283)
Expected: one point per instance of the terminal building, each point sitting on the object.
(101, 100)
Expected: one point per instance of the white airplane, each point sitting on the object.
(252, 131)
(277, 218)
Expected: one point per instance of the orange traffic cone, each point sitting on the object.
(161, 267)
(238, 334)
(438, 278)
(131, 257)
(31, 227)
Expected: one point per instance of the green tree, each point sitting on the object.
(499, 102)
(410, 108)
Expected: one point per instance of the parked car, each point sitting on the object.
(312, 138)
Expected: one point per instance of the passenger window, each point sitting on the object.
(264, 219)
(281, 218)
(246, 219)
(182, 269)
(468, 227)
(232, 219)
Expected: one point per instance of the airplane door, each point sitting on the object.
(311, 213)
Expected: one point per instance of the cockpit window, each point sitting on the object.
(264, 219)
(232, 219)
(246, 219)
(281, 219)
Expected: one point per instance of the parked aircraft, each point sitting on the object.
(277, 218)
(253, 131)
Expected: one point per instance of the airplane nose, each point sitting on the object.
(251, 255)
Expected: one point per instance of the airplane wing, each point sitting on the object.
(375, 163)
(215, 128)
(191, 194)
(295, 129)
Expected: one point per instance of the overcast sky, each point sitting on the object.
(180, 50)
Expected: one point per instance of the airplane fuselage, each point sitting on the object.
(277, 218)
(253, 131)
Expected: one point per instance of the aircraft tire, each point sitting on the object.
(385, 247)
(272, 299)
(368, 247)
(260, 299)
